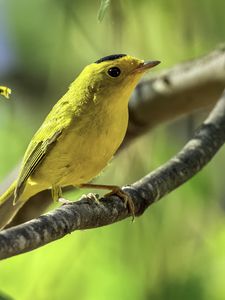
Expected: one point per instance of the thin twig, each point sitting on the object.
(86, 214)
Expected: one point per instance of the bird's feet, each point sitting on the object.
(128, 202)
(115, 190)
(91, 196)
(64, 201)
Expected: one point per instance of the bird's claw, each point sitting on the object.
(91, 196)
(128, 202)
(64, 201)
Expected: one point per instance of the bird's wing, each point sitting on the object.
(40, 145)
(33, 160)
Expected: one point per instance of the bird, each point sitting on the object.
(80, 134)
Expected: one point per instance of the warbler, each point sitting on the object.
(80, 134)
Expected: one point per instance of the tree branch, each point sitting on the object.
(86, 214)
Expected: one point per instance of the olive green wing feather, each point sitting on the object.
(43, 141)
(37, 154)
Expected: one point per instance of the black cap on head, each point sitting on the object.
(110, 57)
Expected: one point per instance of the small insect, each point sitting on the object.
(5, 91)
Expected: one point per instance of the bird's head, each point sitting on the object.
(115, 74)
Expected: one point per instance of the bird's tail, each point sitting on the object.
(7, 209)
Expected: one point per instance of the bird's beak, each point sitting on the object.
(146, 65)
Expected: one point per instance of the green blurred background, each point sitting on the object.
(176, 249)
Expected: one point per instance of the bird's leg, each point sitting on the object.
(115, 190)
(56, 192)
(57, 195)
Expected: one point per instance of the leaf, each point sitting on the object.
(102, 10)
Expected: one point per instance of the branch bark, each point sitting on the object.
(86, 214)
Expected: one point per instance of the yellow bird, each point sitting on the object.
(5, 91)
(80, 134)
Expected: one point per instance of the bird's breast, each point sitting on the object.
(85, 148)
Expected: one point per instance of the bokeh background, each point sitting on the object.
(176, 249)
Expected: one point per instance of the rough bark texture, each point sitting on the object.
(88, 214)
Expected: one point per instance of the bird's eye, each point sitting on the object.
(114, 72)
